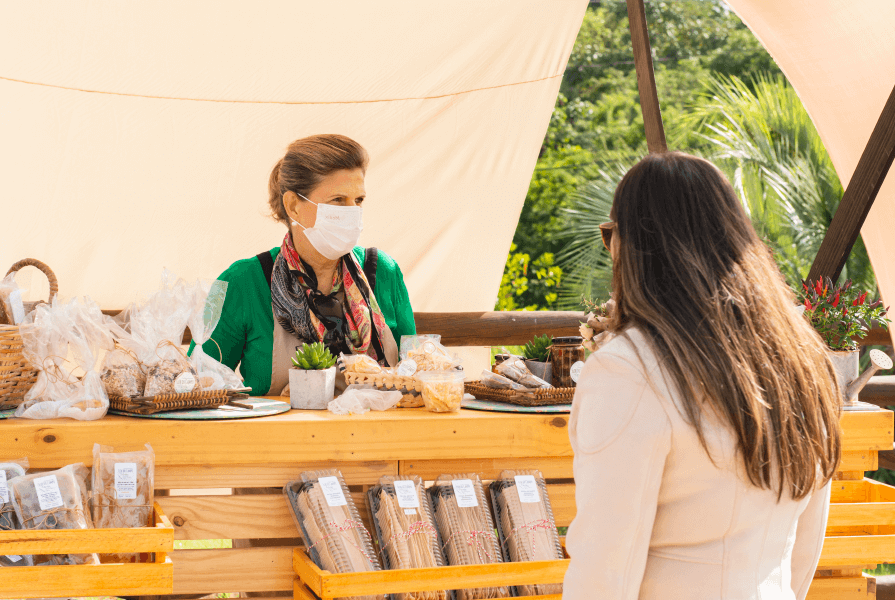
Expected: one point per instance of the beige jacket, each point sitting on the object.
(656, 519)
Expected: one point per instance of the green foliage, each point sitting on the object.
(840, 312)
(538, 348)
(527, 284)
(313, 357)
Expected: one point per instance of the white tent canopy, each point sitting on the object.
(138, 136)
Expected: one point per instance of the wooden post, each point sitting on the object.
(646, 80)
(858, 197)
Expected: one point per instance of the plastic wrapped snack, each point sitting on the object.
(8, 520)
(208, 303)
(442, 390)
(499, 382)
(464, 523)
(324, 512)
(123, 492)
(514, 368)
(12, 309)
(427, 353)
(54, 500)
(122, 373)
(525, 523)
(406, 528)
(360, 399)
(359, 363)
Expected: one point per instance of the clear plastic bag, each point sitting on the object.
(12, 310)
(514, 368)
(8, 519)
(359, 399)
(359, 363)
(122, 373)
(427, 353)
(207, 307)
(74, 329)
(499, 382)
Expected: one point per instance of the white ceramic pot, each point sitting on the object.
(846, 364)
(311, 390)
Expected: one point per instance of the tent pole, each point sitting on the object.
(646, 80)
(858, 197)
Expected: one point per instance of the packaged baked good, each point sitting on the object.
(525, 523)
(442, 390)
(406, 528)
(515, 368)
(208, 304)
(12, 309)
(122, 373)
(427, 353)
(464, 523)
(8, 520)
(123, 491)
(54, 500)
(324, 512)
(359, 363)
(499, 382)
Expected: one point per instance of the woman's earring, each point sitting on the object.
(295, 222)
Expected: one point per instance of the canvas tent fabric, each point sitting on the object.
(840, 58)
(138, 136)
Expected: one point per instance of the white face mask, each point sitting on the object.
(336, 229)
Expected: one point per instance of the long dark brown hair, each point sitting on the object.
(691, 273)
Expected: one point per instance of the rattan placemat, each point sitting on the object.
(261, 407)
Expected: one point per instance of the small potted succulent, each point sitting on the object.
(537, 357)
(841, 313)
(312, 378)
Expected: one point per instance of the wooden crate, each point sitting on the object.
(313, 583)
(155, 577)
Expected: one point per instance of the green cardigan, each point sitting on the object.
(245, 331)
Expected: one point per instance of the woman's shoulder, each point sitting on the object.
(385, 264)
(631, 346)
(246, 269)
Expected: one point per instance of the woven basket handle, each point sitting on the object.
(33, 262)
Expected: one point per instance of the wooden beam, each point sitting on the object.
(497, 328)
(646, 80)
(858, 197)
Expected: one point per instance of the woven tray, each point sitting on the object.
(411, 387)
(149, 405)
(527, 398)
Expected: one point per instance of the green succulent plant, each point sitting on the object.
(538, 349)
(313, 357)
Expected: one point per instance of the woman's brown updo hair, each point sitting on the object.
(307, 162)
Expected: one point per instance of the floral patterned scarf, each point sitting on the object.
(354, 326)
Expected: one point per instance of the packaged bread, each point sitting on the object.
(499, 382)
(122, 373)
(525, 523)
(359, 363)
(427, 353)
(464, 523)
(8, 520)
(406, 529)
(442, 390)
(54, 500)
(123, 491)
(515, 368)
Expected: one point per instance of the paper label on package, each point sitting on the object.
(126, 481)
(48, 494)
(528, 489)
(464, 490)
(14, 557)
(17, 306)
(4, 489)
(407, 367)
(406, 492)
(185, 383)
(575, 371)
(332, 491)
(409, 511)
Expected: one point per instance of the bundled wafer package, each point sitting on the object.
(514, 368)
(464, 523)
(8, 520)
(324, 512)
(405, 526)
(54, 500)
(123, 491)
(525, 523)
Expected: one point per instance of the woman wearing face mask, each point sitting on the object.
(317, 285)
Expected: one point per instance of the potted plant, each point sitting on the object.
(537, 357)
(312, 379)
(841, 313)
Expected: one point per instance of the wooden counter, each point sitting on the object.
(211, 457)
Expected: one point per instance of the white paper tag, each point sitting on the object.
(17, 306)
(14, 557)
(464, 490)
(409, 511)
(528, 489)
(185, 383)
(406, 492)
(407, 367)
(575, 371)
(126, 481)
(4, 489)
(332, 491)
(48, 494)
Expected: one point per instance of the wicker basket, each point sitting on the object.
(527, 398)
(411, 387)
(149, 405)
(16, 373)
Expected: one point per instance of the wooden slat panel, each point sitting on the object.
(233, 570)
(264, 475)
(87, 580)
(857, 550)
(867, 430)
(86, 541)
(487, 468)
(497, 328)
(562, 501)
(861, 514)
(850, 491)
(262, 516)
(859, 460)
(646, 80)
(840, 588)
